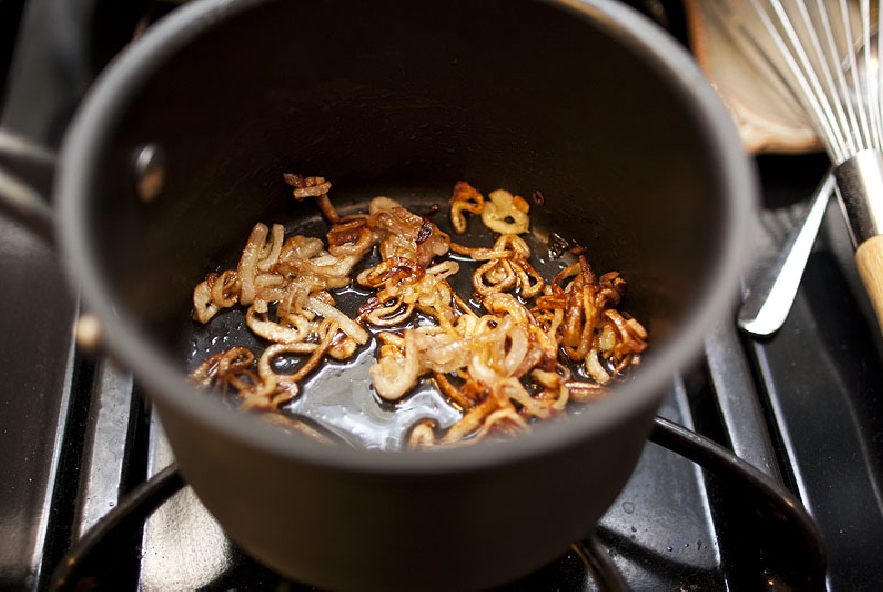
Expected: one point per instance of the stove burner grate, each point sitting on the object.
(793, 549)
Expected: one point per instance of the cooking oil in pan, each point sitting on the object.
(341, 398)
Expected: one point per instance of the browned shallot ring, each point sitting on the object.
(391, 313)
(225, 289)
(581, 392)
(315, 187)
(270, 253)
(293, 331)
(454, 394)
(422, 434)
(204, 309)
(346, 324)
(466, 199)
(216, 367)
(247, 268)
(494, 276)
(393, 268)
(502, 421)
(530, 282)
(327, 332)
(505, 213)
(351, 238)
(470, 421)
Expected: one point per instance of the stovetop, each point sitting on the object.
(76, 434)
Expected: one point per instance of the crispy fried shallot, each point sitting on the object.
(506, 213)
(466, 199)
(538, 345)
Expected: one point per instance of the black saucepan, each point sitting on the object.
(583, 100)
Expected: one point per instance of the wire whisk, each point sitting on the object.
(825, 54)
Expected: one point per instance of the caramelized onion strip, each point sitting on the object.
(347, 325)
(225, 290)
(466, 199)
(395, 375)
(270, 253)
(506, 213)
(470, 422)
(204, 307)
(248, 263)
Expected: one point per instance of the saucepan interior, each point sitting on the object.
(516, 95)
(382, 100)
(581, 101)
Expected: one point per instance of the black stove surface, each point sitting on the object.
(804, 407)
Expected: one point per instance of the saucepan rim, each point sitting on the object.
(106, 102)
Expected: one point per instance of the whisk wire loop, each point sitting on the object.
(826, 52)
(871, 75)
(857, 132)
(845, 114)
(792, 51)
(863, 134)
(879, 70)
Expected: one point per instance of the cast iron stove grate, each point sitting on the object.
(792, 555)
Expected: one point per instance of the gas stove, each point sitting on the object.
(77, 436)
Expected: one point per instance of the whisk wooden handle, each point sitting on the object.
(860, 187)
(869, 258)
